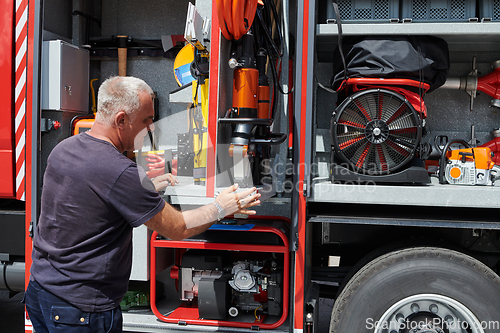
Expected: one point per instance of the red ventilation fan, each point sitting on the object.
(376, 133)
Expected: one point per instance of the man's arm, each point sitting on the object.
(171, 223)
(177, 225)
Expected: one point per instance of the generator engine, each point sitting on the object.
(255, 285)
(222, 288)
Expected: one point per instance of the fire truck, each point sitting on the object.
(371, 129)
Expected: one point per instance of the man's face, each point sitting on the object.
(144, 119)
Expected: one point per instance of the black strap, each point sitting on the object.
(339, 41)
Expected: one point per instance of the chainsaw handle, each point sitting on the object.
(465, 155)
(442, 160)
(440, 140)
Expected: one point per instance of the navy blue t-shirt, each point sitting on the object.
(92, 197)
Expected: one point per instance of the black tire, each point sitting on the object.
(418, 273)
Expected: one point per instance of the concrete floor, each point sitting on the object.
(12, 313)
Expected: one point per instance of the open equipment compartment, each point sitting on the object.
(473, 54)
(273, 240)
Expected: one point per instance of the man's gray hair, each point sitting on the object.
(120, 93)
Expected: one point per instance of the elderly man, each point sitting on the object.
(92, 197)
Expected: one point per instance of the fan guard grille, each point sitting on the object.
(376, 131)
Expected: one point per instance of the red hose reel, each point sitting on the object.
(235, 17)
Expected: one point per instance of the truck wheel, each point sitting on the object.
(420, 290)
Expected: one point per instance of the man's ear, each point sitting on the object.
(120, 119)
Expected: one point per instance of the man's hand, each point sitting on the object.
(238, 203)
(181, 225)
(156, 165)
(162, 181)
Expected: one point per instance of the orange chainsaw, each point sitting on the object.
(467, 166)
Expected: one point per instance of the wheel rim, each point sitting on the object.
(428, 313)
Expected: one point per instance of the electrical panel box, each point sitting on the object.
(65, 77)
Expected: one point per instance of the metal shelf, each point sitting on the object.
(188, 196)
(416, 195)
(482, 29)
(484, 36)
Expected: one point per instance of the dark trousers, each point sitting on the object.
(50, 314)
